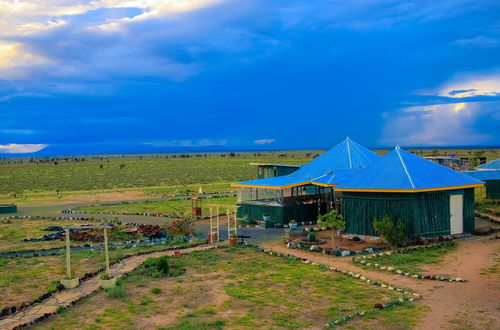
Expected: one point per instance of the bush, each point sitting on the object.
(157, 265)
(117, 292)
(155, 290)
(311, 237)
(392, 233)
(181, 227)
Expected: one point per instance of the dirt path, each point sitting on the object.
(67, 297)
(474, 304)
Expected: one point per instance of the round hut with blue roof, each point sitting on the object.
(430, 199)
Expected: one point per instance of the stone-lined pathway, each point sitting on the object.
(67, 297)
(447, 300)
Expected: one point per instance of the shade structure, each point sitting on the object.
(483, 175)
(328, 169)
(402, 171)
(491, 179)
(493, 165)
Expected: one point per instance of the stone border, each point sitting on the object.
(365, 261)
(9, 310)
(47, 315)
(337, 253)
(406, 295)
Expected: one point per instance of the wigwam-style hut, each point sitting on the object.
(491, 179)
(430, 199)
(305, 193)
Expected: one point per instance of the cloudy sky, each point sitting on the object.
(154, 75)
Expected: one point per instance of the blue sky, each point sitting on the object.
(106, 76)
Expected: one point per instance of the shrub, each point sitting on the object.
(117, 292)
(181, 227)
(311, 237)
(356, 239)
(158, 265)
(392, 233)
(105, 276)
(156, 290)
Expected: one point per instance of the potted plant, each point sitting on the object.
(233, 240)
(106, 281)
(293, 224)
(70, 283)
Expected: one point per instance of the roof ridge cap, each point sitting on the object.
(397, 149)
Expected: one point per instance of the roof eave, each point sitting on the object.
(475, 185)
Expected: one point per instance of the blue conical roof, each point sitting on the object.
(402, 171)
(329, 169)
(493, 165)
(347, 155)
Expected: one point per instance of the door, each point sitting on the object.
(456, 214)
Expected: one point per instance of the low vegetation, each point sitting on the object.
(413, 261)
(24, 279)
(178, 208)
(233, 288)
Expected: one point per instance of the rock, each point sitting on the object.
(482, 231)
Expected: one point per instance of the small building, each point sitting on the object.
(8, 208)
(493, 165)
(491, 179)
(430, 199)
(305, 193)
(456, 163)
(266, 170)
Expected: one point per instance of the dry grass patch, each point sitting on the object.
(231, 288)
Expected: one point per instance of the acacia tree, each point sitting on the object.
(331, 220)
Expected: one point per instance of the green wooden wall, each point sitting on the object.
(269, 171)
(426, 213)
(280, 215)
(493, 188)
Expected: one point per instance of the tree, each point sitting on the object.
(331, 220)
(392, 233)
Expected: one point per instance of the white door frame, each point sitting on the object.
(456, 214)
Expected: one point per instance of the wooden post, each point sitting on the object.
(68, 251)
(228, 224)
(211, 227)
(106, 253)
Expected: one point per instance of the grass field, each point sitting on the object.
(412, 262)
(135, 171)
(24, 279)
(233, 288)
(13, 231)
(178, 208)
(21, 176)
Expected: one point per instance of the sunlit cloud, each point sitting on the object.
(14, 148)
(446, 124)
(468, 86)
(14, 61)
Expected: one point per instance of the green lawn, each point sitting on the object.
(180, 208)
(412, 262)
(24, 279)
(234, 288)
